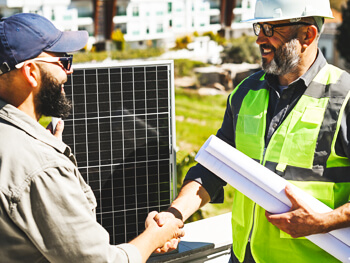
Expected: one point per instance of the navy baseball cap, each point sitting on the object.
(25, 36)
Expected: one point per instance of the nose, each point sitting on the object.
(261, 39)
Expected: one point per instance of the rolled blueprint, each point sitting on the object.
(267, 189)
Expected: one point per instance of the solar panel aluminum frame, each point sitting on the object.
(87, 88)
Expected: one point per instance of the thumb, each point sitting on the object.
(296, 202)
(59, 129)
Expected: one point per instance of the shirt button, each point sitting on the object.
(284, 96)
(274, 125)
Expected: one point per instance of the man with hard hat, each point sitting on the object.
(292, 117)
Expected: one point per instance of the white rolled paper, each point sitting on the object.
(267, 189)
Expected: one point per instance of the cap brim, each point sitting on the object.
(69, 41)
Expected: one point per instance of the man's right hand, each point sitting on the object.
(161, 219)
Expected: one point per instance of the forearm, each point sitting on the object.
(338, 218)
(192, 196)
(146, 243)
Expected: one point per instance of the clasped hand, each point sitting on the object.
(162, 219)
(300, 220)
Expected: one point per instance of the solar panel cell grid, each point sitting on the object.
(121, 133)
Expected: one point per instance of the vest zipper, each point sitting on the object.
(263, 156)
(251, 229)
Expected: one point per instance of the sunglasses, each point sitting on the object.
(268, 28)
(65, 62)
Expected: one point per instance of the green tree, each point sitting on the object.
(343, 34)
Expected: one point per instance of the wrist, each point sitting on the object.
(177, 214)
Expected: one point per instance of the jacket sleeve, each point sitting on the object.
(213, 184)
(55, 211)
(342, 144)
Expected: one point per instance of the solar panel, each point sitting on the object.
(121, 131)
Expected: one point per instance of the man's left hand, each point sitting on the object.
(300, 220)
(58, 130)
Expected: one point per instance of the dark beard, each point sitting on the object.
(50, 101)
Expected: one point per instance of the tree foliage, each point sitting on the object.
(343, 34)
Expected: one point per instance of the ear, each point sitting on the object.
(309, 36)
(31, 73)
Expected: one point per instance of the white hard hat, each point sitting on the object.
(274, 10)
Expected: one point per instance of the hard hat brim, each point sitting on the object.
(271, 19)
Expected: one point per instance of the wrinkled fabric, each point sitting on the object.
(47, 211)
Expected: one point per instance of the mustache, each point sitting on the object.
(265, 46)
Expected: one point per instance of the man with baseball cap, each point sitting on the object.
(292, 117)
(47, 211)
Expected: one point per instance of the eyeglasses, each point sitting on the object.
(65, 62)
(268, 28)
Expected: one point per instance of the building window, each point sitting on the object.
(135, 11)
(239, 4)
(67, 17)
(159, 13)
(136, 33)
(122, 28)
(53, 15)
(147, 30)
(121, 10)
(170, 7)
(159, 28)
(214, 20)
(170, 23)
(238, 18)
(214, 4)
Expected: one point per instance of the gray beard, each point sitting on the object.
(285, 60)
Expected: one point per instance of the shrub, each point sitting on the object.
(243, 49)
(83, 57)
(118, 39)
(184, 67)
(182, 42)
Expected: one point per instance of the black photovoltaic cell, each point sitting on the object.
(120, 131)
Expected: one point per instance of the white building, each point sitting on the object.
(55, 10)
(158, 22)
(244, 10)
(144, 22)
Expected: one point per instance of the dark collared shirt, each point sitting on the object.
(280, 104)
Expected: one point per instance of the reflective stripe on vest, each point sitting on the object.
(293, 147)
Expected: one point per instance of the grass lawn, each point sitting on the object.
(198, 117)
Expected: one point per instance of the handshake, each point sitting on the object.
(162, 234)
